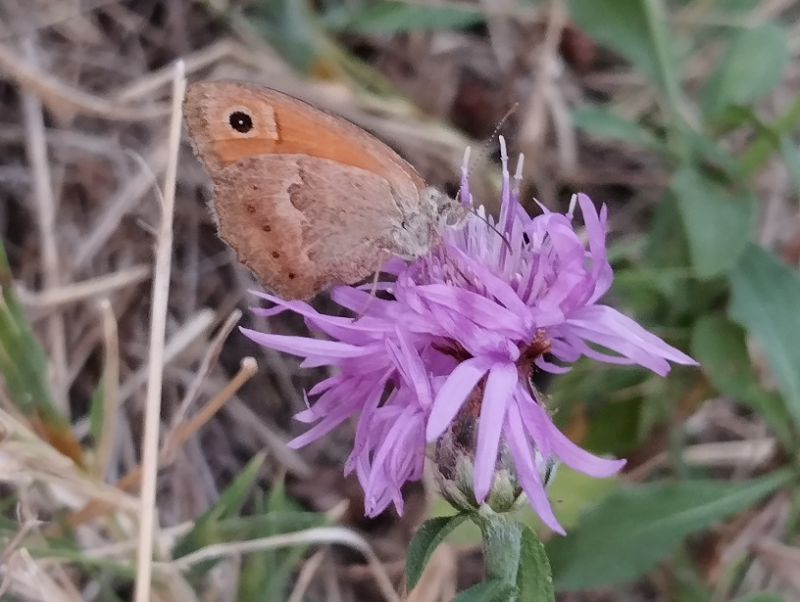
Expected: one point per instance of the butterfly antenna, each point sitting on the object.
(484, 149)
(491, 225)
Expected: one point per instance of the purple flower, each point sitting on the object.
(471, 320)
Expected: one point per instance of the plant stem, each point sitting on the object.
(502, 536)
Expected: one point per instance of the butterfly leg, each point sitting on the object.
(382, 257)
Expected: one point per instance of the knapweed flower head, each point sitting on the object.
(466, 325)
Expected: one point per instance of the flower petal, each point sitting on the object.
(528, 475)
(630, 352)
(477, 308)
(500, 384)
(368, 409)
(305, 346)
(564, 449)
(495, 286)
(543, 364)
(452, 395)
(602, 274)
(604, 319)
(320, 429)
(409, 363)
(417, 350)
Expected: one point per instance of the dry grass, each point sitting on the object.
(90, 154)
(134, 301)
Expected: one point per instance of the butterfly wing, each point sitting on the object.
(302, 224)
(307, 199)
(273, 123)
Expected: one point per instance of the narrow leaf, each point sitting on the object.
(791, 157)
(720, 347)
(766, 298)
(601, 123)
(430, 534)
(489, 591)
(636, 30)
(717, 221)
(389, 16)
(228, 505)
(24, 370)
(635, 528)
(96, 412)
(534, 579)
(753, 65)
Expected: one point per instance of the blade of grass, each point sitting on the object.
(110, 389)
(316, 536)
(158, 325)
(24, 367)
(45, 204)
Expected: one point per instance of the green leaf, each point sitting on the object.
(96, 412)
(389, 17)
(704, 151)
(602, 124)
(80, 558)
(534, 579)
(667, 246)
(228, 505)
(752, 66)
(265, 575)
(635, 528)
(494, 590)
(717, 221)
(765, 597)
(768, 140)
(720, 347)
(428, 536)
(24, 370)
(737, 6)
(637, 30)
(791, 156)
(289, 26)
(265, 524)
(23, 362)
(766, 301)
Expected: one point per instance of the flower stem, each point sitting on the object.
(502, 537)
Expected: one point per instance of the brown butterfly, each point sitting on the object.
(305, 198)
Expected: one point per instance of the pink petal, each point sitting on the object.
(566, 451)
(602, 318)
(528, 475)
(496, 286)
(367, 412)
(537, 425)
(631, 352)
(452, 395)
(499, 386)
(543, 364)
(601, 270)
(304, 346)
(477, 308)
(413, 368)
(318, 430)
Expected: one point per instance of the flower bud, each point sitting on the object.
(454, 460)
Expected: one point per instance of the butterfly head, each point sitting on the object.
(449, 212)
(413, 236)
(421, 230)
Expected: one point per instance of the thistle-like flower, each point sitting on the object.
(470, 321)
